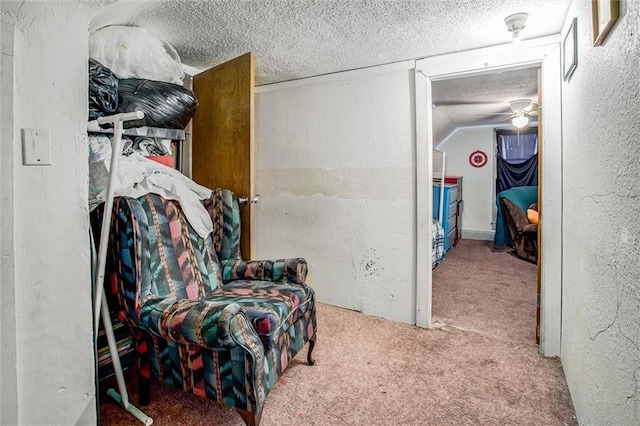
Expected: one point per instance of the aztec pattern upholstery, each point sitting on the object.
(203, 319)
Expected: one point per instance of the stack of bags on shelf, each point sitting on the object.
(130, 69)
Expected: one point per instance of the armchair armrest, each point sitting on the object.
(292, 271)
(210, 324)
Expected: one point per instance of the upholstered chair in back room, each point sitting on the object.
(523, 233)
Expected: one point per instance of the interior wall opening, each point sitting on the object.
(469, 115)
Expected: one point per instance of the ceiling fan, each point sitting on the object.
(521, 110)
(463, 103)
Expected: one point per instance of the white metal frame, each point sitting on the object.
(99, 263)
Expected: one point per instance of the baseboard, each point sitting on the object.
(478, 235)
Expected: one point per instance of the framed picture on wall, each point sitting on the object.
(604, 14)
(570, 50)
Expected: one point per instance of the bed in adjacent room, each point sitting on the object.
(437, 230)
(437, 243)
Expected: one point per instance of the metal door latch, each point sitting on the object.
(244, 200)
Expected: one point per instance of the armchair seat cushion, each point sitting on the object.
(271, 307)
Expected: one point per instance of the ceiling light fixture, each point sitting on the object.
(515, 24)
(520, 120)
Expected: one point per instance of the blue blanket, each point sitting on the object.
(521, 196)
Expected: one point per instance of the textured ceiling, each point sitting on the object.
(302, 38)
(495, 89)
(480, 100)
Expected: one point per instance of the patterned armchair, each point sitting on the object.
(203, 319)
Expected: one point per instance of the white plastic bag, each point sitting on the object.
(137, 176)
(134, 52)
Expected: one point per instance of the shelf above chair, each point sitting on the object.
(151, 132)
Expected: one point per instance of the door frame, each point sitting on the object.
(543, 52)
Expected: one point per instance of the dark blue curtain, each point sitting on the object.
(517, 163)
(517, 174)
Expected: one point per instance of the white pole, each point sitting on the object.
(117, 121)
(100, 305)
(442, 177)
(123, 396)
(441, 212)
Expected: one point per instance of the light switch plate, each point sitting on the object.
(36, 147)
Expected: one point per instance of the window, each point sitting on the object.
(517, 148)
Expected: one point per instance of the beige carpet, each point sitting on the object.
(480, 367)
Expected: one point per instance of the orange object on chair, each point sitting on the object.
(167, 160)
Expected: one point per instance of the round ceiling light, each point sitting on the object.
(520, 121)
(516, 23)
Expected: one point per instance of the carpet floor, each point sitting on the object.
(478, 365)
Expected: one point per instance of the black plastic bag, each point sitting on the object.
(103, 90)
(164, 104)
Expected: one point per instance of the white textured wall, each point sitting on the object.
(8, 372)
(54, 344)
(477, 183)
(601, 230)
(335, 169)
(442, 125)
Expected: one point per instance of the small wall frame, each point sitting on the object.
(604, 14)
(570, 50)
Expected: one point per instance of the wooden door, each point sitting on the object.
(539, 236)
(222, 140)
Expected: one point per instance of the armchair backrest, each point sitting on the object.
(225, 213)
(156, 253)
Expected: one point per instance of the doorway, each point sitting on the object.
(469, 114)
(542, 52)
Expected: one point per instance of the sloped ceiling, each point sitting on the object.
(480, 100)
(294, 39)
